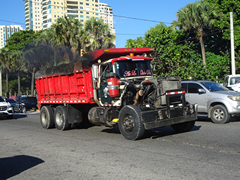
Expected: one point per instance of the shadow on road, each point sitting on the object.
(154, 133)
(15, 116)
(11, 166)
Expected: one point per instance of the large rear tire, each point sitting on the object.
(60, 118)
(183, 127)
(129, 123)
(47, 117)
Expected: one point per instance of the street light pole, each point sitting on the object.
(232, 44)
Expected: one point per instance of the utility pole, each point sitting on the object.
(232, 44)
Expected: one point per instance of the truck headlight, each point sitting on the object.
(234, 98)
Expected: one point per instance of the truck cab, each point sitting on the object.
(232, 82)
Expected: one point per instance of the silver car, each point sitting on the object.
(214, 100)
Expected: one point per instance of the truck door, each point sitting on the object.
(103, 91)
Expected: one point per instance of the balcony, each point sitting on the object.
(72, 7)
(45, 6)
(75, 12)
(72, 3)
(27, 23)
(27, 18)
(44, 15)
(45, 20)
(44, 11)
(27, 11)
(26, 3)
(69, 15)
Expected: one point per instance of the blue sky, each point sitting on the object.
(12, 12)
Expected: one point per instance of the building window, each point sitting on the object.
(81, 7)
(81, 16)
(87, 17)
(87, 4)
(81, 3)
(87, 12)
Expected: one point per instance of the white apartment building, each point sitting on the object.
(41, 14)
(6, 32)
(33, 15)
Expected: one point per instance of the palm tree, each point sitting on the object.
(197, 17)
(19, 65)
(67, 32)
(5, 59)
(97, 35)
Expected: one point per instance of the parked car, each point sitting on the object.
(6, 110)
(214, 100)
(27, 103)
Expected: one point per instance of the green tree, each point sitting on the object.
(197, 17)
(5, 56)
(67, 32)
(18, 65)
(96, 35)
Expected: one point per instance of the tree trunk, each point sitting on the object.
(33, 82)
(203, 50)
(7, 88)
(19, 84)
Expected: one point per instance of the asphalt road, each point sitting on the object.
(27, 151)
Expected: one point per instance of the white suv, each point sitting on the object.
(5, 108)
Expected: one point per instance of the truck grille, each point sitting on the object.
(3, 108)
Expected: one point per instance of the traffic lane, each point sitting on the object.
(100, 153)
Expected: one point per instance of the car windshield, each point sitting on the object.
(212, 86)
(133, 68)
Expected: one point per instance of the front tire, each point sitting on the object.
(47, 117)
(60, 118)
(219, 114)
(183, 127)
(129, 123)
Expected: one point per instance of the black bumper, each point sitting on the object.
(164, 117)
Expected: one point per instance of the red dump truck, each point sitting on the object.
(110, 87)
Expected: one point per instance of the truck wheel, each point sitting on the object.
(219, 114)
(47, 117)
(183, 127)
(129, 123)
(61, 121)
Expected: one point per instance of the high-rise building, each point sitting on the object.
(6, 32)
(33, 17)
(106, 13)
(79, 9)
(41, 14)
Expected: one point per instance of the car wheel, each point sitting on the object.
(183, 127)
(60, 118)
(219, 114)
(47, 117)
(129, 123)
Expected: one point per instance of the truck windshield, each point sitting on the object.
(234, 80)
(133, 68)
